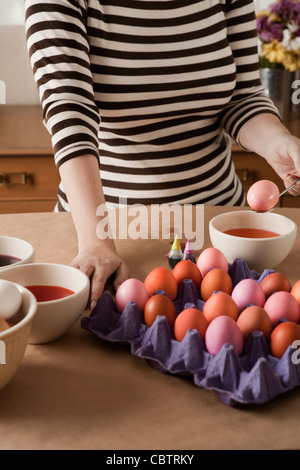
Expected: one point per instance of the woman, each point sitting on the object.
(149, 93)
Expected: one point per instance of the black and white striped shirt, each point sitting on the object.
(153, 89)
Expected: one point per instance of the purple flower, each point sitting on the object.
(284, 9)
(296, 13)
(287, 10)
(269, 31)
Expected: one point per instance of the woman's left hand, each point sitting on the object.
(285, 160)
(267, 136)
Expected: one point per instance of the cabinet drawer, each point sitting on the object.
(290, 201)
(28, 183)
(28, 177)
(21, 206)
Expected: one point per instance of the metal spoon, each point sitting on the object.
(281, 194)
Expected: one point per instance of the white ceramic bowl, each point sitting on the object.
(18, 248)
(13, 342)
(259, 253)
(55, 317)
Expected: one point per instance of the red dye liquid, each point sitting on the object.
(5, 260)
(46, 293)
(251, 233)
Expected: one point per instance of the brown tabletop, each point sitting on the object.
(83, 393)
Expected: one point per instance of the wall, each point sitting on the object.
(261, 4)
(15, 70)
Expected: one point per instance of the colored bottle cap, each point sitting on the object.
(188, 247)
(176, 244)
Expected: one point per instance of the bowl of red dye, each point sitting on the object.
(15, 251)
(263, 240)
(62, 294)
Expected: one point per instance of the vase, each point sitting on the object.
(281, 86)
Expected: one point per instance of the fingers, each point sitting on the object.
(121, 275)
(85, 268)
(99, 272)
(289, 180)
(100, 276)
(98, 281)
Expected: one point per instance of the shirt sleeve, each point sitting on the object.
(249, 98)
(59, 53)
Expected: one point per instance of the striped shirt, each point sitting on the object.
(153, 89)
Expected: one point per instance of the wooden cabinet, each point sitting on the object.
(28, 176)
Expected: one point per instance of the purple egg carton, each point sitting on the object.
(254, 377)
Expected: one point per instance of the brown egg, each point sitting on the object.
(283, 336)
(190, 319)
(161, 279)
(275, 282)
(159, 304)
(296, 291)
(254, 318)
(4, 325)
(186, 269)
(220, 303)
(215, 280)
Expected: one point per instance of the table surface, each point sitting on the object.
(80, 392)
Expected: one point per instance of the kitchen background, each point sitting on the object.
(15, 69)
(25, 147)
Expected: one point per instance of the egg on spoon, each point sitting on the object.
(263, 195)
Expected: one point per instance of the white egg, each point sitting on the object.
(10, 299)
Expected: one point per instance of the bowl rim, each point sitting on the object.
(25, 242)
(27, 318)
(85, 278)
(251, 239)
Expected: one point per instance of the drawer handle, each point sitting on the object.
(14, 179)
(244, 174)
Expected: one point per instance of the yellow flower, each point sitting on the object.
(274, 52)
(263, 13)
(291, 61)
(275, 18)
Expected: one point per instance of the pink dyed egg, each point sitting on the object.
(282, 305)
(263, 195)
(248, 292)
(223, 330)
(131, 290)
(211, 258)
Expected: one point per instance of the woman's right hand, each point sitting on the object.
(99, 261)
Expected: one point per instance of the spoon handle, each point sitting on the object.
(291, 187)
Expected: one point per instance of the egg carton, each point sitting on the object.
(254, 377)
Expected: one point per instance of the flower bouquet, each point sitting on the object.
(278, 29)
